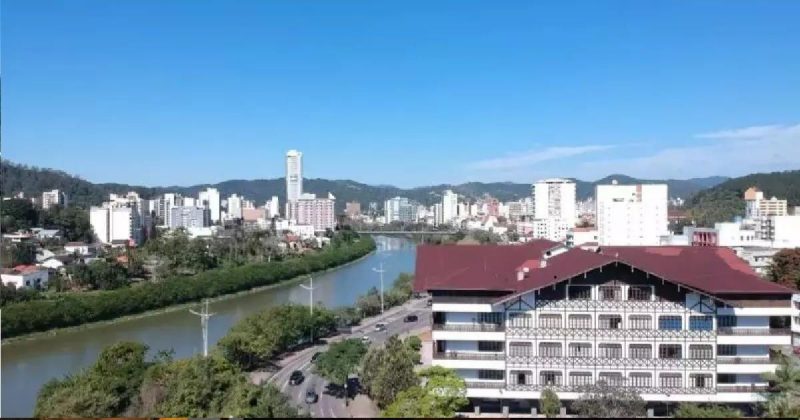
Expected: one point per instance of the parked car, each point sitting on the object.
(410, 318)
(296, 378)
(380, 326)
(365, 339)
(311, 396)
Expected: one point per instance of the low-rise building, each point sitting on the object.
(25, 277)
(673, 324)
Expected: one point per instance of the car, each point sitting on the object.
(296, 378)
(380, 326)
(316, 356)
(410, 318)
(365, 339)
(311, 396)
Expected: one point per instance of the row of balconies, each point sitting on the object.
(601, 361)
(534, 331)
(641, 390)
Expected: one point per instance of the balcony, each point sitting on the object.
(469, 327)
(600, 362)
(754, 331)
(640, 390)
(578, 333)
(611, 305)
(485, 384)
(467, 355)
(735, 360)
(742, 388)
(465, 299)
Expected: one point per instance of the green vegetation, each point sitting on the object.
(784, 400)
(549, 404)
(694, 411)
(604, 400)
(340, 361)
(99, 275)
(69, 309)
(73, 222)
(14, 254)
(400, 292)
(254, 341)
(442, 395)
(122, 383)
(785, 268)
(726, 200)
(387, 371)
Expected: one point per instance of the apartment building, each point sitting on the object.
(554, 198)
(631, 214)
(310, 210)
(677, 324)
(53, 198)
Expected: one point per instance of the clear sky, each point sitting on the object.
(405, 92)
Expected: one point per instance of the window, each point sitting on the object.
(611, 378)
(640, 322)
(550, 349)
(490, 346)
(609, 351)
(613, 322)
(521, 377)
(700, 380)
(670, 380)
(669, 351)
(549, 378)
(701, 323)
(520, 320)
(580, 350)
(670, 322)
(701, 351)
(640, 351)
(610, 292)
(579, 292)
(726, 321)
(490, 317)
(580, 378)
(726, 378)
(490, 374)
(580, 321)
(549, 321)
(726, 350)
(517, 349)
(640, 379)
(644, 293)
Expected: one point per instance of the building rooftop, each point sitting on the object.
(713, 270)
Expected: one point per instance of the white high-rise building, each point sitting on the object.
(53, 198)
(210, 200)
(114, 223)
(310, 210)
(554, 199)
(399, 209)
(234, 207)
(631, 214)
(189, 217)
(165, 206)
(273, 207)
(294, 175)
(449, 207)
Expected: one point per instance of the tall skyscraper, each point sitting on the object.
(449, 207)
(554, 199)
(210, 200)
(631, 214)
(294, 175)
(235, 204)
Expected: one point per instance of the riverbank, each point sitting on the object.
(34, 319)
(183, 306)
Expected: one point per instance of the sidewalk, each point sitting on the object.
(362, 407)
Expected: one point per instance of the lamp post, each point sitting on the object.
(380, 271)
(204, 316)
(310, 289)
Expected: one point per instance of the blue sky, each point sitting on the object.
(405, 93)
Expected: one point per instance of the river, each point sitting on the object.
(27, 365)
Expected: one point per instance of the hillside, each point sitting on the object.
(725, 202)
(32, 181)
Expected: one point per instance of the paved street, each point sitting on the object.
(329, 405)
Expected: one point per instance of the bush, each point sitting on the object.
(70, 309)
(549, 404)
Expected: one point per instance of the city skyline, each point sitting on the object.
(510, 93)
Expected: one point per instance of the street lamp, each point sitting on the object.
(381, 271)
(310, 289)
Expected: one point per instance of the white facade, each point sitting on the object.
(273, 207)
(631, 214)
(400, 209)
(294, 175)
(210, 200)
(554, 199)
(449, 207)
(29, 278)
(550, 229)
(53, 198)
(785, 231)
(235, 205)
(188, 217)
(115, 224)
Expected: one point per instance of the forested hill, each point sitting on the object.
(32, 181)
(725, 201)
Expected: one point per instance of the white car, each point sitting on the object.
(365, 339)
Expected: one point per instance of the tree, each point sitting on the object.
(784, 400)
(388, 370)
(99, 274)
(687, 410)
(604, 400)
(340, 361)
(785, 268)
(442, 395)
(265, 401)
(549, 404)
(16, 214)
(18, 253)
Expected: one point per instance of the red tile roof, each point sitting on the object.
(494, 267)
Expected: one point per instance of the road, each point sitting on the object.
(329, 405)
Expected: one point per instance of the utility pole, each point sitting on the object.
(204, 316)
(310, 289)
(381, 271)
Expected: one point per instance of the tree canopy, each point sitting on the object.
(604, 400)
(388, 370)
(694, 411)
(785, 268)
(442, 394)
